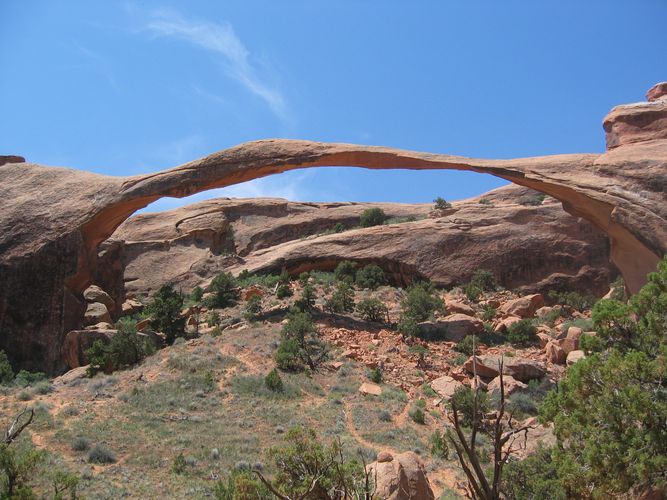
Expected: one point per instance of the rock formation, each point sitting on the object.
(538, 247)
(53, 219)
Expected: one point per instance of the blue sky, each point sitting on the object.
(123, 88)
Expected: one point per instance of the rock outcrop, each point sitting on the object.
(53, 219)
(534, 248)
(400, 477)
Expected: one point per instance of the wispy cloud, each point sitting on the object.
(98, 63)
(221, 39)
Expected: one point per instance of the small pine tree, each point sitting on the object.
(372, 217)
(273, 381)
(6, 372)
(165, 311)
(342, 299)
(441, 204)
(224, 289)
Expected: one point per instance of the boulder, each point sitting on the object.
(555, 353)
(519, 368)
(95, 294)
(445, 386)
(511, 384)
(454, 307)
(77, 342)
(574, 356)
(505, 323)
(571, 341)
(96, 312)
(543, 338)
(452, 328)
(100, 326)
(486, 366)
(131, 307)
(524, 369)
(70, 376)
(401, 477)
(524, 307)
(371, 389)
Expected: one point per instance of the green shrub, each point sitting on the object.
(488, 312)
(522, 333)
(534, 477)
(165, 312)
(339, 227)
(345, 271)
(307, 300)
(441, 204)
(463, 400)
(439, 445)
(372, 309)
(534, 200)
(25, 378)
(375, 375)
(467, 345)
(481, 281)
(80, 444)
(224, 289)
(213, 318)
(241, 485)
(573, 299)
(273, 381)
(303, 278)
(618, 289)
(126, 348)
(420, 302)
(484, 279)
(43, 387)
(304, 464)
(584, 323)
(179, 465)
(471, 291)
(6, 372)
(197, 294)
(100, 454)
(420, 351)
(428, 391)
(252, 308)
(17, 468)
(522, 404)
(283, 291)
(591, 343)
(300, 345)
(408, 327)
(372, 217)
(370, 276)
(342, 299)
(287, 356)
(417, 415)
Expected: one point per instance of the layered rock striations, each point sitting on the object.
(53, 219)
(538, 247)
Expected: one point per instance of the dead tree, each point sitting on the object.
(16, 428)
(503, 435)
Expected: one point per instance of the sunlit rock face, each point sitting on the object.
(53, 219)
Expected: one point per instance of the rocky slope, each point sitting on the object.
(539, 247)
(53, 219)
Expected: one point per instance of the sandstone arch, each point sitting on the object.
(55, 218)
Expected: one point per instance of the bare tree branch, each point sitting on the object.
(15, 429)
